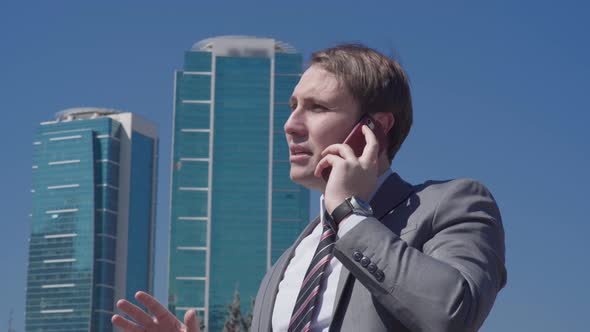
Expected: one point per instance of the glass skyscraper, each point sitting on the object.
(92, 229)
(234, 209)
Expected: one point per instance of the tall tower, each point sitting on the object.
(234, 209)
(92, 228)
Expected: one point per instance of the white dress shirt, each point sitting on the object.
(295, 272)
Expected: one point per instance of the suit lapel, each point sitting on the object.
(279, 271)
(392, 193)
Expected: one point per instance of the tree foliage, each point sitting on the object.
(235, 322)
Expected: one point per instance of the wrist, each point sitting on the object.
(332, 204)
(349, 206)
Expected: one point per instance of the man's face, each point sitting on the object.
(323, 112)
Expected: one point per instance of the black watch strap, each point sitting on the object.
(342, 211)
(349, 206)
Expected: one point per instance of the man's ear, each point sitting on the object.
(385, 119)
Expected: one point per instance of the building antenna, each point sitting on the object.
(10, 328)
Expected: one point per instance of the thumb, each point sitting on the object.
(191, 321)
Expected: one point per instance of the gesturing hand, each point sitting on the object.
(161, 321)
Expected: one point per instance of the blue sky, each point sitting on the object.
(500, 94)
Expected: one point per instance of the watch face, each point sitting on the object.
(361, 205)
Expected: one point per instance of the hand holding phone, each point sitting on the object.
(356, 139)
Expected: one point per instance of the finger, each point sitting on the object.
(154, 306)
(342, 150)
(328, 161)
(191, 321)
(125, 324)
(135, 312)
(371, 150)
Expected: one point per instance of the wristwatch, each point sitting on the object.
(349, 206)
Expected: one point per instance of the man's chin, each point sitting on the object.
(308, 180)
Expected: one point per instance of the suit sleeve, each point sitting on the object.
(451, 283)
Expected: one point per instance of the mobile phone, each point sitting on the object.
(356, 139)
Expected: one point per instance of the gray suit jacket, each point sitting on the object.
(440, 248)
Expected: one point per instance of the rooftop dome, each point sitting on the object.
(83, 113)
(207, 44)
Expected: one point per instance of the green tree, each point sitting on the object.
(235, 322)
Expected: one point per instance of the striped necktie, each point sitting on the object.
(310, 288)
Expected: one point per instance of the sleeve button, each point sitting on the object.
(365, 261)
(357, 255)
(372, 268)
(379, 275)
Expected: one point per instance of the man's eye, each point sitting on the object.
(318, 108)
(292, 106)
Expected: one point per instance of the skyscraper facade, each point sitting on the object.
(92, 229)
(234, 209)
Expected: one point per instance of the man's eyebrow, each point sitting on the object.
(311, 100)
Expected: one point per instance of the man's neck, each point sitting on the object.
(384, 164)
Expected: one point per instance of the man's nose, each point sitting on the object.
(295, 124)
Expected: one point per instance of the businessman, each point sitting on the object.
(383, 255)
